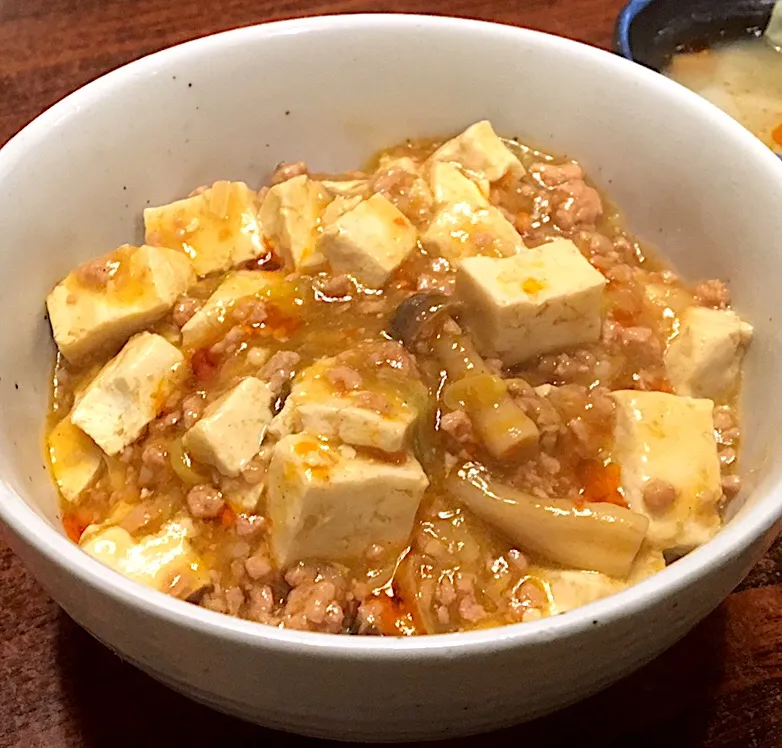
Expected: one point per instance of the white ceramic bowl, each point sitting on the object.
(332, 91)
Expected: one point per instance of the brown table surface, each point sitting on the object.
(720, 686)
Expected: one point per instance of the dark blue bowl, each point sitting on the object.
(650, 31)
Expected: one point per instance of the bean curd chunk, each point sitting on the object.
(440, 392)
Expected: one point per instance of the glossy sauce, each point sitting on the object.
(452, 555)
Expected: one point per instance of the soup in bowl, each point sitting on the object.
(729, 53)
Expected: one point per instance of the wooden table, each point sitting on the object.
(721, 686)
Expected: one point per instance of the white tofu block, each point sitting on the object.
(291, 218)
(401, 181)
(478, 149)
(458, 231)
(542, 300)
(164, 561)
(217, 229)
(668, 438)
(704, 359)
(572, 588)
(330, 503)
(450, 185)
(285, 422)
(75, 459)
(143, 285)
(369, 242)
(346, 187)
(242, 497)
(230, 432)
(361, 427)
(315, 406)
(208, 320)
(338, 207)
(128, 392)
(465, 224)
(404, 163)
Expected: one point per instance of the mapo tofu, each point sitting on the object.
(445, 392)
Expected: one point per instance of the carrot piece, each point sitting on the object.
(661, 384)
(74, 527)
(624, 318)
(227, 516)
(601, 482)
(395, 617)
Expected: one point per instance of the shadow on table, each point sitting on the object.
(668, 703)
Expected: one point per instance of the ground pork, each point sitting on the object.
(343, 378)
(279, 369)
(96, 274)
(286, 170)
(458, 426)
(316, 600)
(553, 175)
(184, 309)
(192, 409)
(336, 286)
(712, 293)
(205, 501)
(262, 604)
(373, 401)
(258, 565)
(154, 465)
(391, 353)
(659, 495)
(575, 203)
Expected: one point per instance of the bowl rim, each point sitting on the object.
(39, 534)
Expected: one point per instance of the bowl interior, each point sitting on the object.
(650, 31)
(690, 181)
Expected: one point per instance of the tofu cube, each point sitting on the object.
(670, 472)
(291, 218)
(572, 588)
(369, 242)
(104, 302)
(369, 416)
(704, 359)
(542, 300)
(286, 422)
(338, 207)
(75, 459)
(208, 320)
(356, 425)
(164, 561)
(450, 185)
(386, 162)
(217, 229)
(401, 181)
(128, 392)
(478, 149)
(230, 432)
(243, 497)
(465, 224)
(329, 502)
(346, 187)
(459, 230)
